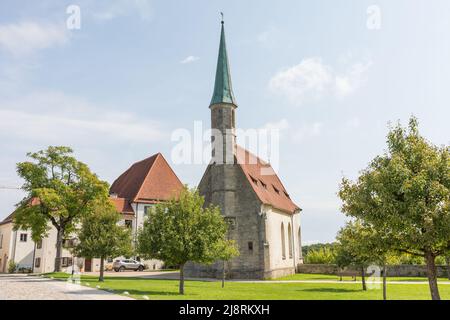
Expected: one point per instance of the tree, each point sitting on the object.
(101, 236)
(321, 255)
(404, 195)
(353, 249)
(183, 230)
(225, 251)
(317, 246)
(60, 190)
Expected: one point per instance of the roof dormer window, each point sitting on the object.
(276, 190)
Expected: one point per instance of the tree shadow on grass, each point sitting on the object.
(330, 290)
(149, 293)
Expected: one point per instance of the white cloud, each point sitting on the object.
(280, 125)
(119, 8)
(307, 130)
(349, 82)
(311, 80)
(54, 118)
(24, 38)
(189, 59)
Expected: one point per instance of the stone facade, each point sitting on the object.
(226, 186)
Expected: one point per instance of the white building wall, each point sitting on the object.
(22, 251)
(275, 219)
(5, 246)
(47, 253)
(138, 223)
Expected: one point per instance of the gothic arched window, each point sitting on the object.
(300, 243)
(283, 242)
(290, 241)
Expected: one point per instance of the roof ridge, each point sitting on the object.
(146, 176)
(170, 167)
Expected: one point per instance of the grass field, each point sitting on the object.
(154, 289)
(320, 277)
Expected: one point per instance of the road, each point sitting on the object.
(23, 287)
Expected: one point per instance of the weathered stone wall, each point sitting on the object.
(227, 187)
(404, 270)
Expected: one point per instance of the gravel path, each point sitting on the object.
(23, 287)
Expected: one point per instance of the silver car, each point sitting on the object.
(127, 264)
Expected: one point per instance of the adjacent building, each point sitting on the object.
(143, 185)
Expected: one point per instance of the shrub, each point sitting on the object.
(12, 266)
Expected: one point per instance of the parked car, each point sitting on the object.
(127, 264)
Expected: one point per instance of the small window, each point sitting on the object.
(23, 237)
(276, 190)
(128, 223)
(39, 244)
(250, 245)
(1, 241)
(37, 262)
(147, 210)
(68, 243)
(253, 180)
(66, 262)
(263, 184)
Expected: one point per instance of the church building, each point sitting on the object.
(263, 219)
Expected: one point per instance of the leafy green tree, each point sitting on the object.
(225, 251)
(60, 190)
(321, 255)
(353, 249)
(404, 195)
(183, 230)
(316, 246)
(102, 237)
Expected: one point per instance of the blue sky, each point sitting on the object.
(136, 70)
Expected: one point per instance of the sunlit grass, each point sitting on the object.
(156, 289)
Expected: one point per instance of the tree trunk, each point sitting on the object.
(432, 278)
(102, 267)
(224, 274)
(363, 278)
(181, 290)
(447, 260)
(59, 240)
(384, 282)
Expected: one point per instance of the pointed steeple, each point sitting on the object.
(223, 91)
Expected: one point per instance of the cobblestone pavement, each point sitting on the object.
(23, 287)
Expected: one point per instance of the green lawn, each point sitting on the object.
(304, 276)
(168, 289)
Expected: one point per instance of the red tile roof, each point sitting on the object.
(33, 202)
(122, 205)
(150, 180)
(8, 219)
(264, 181)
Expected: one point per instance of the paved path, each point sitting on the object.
(23, 287)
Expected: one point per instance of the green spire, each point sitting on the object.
(223, 91)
